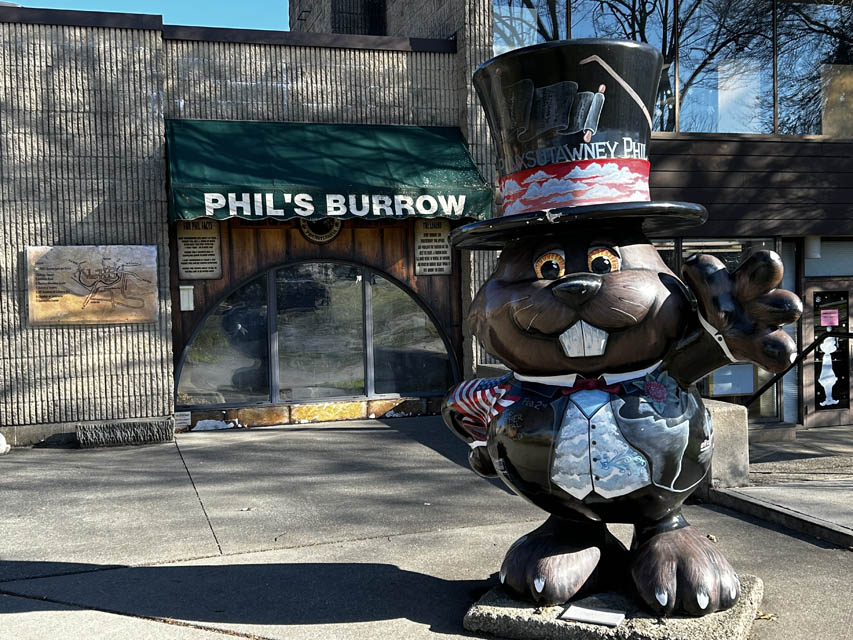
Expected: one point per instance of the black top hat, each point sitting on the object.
(571, 121)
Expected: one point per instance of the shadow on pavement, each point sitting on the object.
(260, 594)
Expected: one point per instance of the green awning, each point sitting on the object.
(253, 170)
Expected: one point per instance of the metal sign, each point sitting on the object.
(115, 284)
(432, 248)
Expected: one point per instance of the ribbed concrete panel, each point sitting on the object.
(311, 16)
(235, 81)
(424, 19)
(81, 143)
(475, 47)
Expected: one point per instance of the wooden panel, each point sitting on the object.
(272, 246)
(302, 249)
(395, 253)
(249, 249)
(798, 164)
(726, 146)
(244, 253)
(368, 245)
(755, 186)
(753, 179)
(781, 196)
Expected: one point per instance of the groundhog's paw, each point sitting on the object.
(682, 571)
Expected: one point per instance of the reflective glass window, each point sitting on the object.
(227, 361)
(815, 49)
(323, 332)
(409, 354)
(726, 66)
(520, 23)
(320, 324)
(736, 382)
(649, 21)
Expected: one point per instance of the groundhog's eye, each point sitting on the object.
(602, 260)
(550, 265)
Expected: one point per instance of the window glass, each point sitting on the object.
(726, 66)
(321, 327)
(791, 381)
(409, 354)
(649, 21)
(815, 48)
(736, 382)
(319, 312)
(227, 361)
(520, 23)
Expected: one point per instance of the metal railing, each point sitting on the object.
(800, 357)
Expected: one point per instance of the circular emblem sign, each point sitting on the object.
(320, 231)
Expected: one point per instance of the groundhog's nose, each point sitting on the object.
(577, 289)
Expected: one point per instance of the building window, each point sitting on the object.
(360, 17)
(228, 359)
(336, 330)
(520, 23)
(320, 329)
(815, 42)
(726, 66)
(736, 382)
(720, 57)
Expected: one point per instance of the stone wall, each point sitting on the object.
(82, 148)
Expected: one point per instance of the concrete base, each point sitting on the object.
(782, 432)
(111, 434)
(504, 617)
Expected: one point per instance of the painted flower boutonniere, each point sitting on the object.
(660, 390)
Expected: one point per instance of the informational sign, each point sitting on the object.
(199, 250)
(109, 284)
(432, 248)
(832, 356)
(829, 317)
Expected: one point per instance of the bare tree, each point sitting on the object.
(722, 45)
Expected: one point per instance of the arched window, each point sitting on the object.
(314, 331)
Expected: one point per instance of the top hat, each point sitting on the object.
(571, 122)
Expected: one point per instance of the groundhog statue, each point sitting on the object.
(597, 421)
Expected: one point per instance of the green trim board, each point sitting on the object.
(223, 169)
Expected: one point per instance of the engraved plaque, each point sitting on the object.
(199, 253)
(104, 284)
(432, 248)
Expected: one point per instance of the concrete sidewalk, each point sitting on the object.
(343, 530)
(805, 484)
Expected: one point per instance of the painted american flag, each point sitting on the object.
(480, 400)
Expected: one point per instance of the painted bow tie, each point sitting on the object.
(589, 384)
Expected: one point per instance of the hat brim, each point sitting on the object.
(656, 217)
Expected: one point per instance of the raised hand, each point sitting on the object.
(744, 310)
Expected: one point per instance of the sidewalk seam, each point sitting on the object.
(203, 510)
(169, 621)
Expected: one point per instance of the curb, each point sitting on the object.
(799, 522)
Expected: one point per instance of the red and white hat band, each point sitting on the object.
(575, 184)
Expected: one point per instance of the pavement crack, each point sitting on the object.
(203, 510)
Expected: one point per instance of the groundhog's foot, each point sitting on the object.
(552, 563)
(681, 571)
